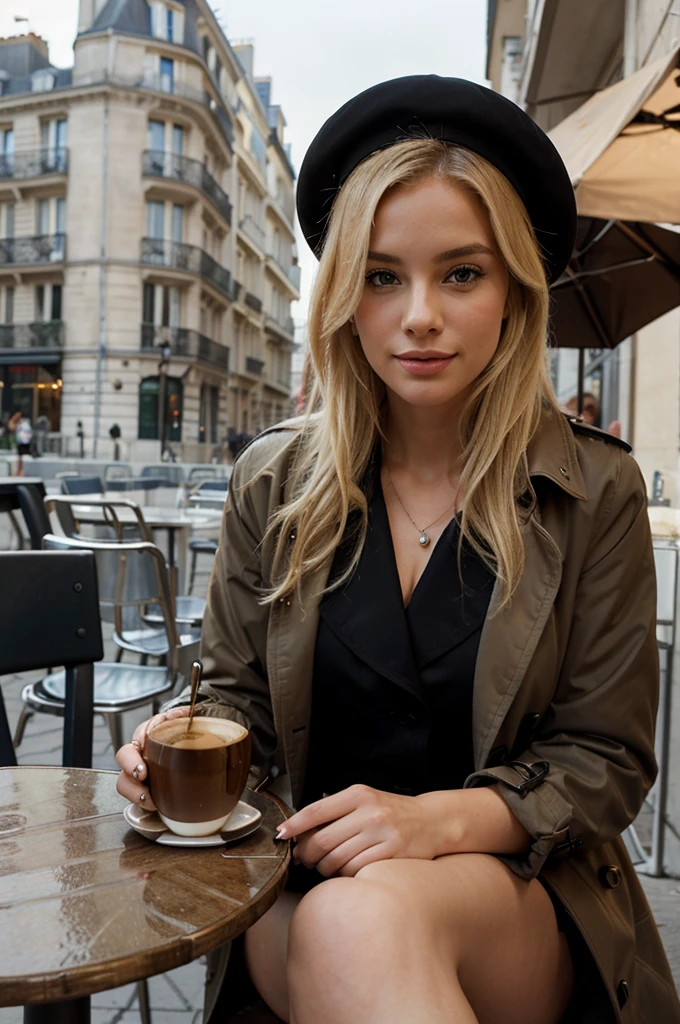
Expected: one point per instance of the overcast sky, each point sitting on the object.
(319, 53)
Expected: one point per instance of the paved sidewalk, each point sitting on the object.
(177, 997)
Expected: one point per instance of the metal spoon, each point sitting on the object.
(196, 670)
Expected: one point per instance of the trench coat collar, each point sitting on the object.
(552, 453)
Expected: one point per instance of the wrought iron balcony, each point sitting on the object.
(255, 366)
(37, 335)
(36, 249)
(159, 164)
(253, 301)
(163, 252)
(35, 163)
(185, 344)
(252, 230)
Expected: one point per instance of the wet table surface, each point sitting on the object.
(86, 904)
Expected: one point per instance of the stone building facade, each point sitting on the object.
(147, 248)
(550, 56)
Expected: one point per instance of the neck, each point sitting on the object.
(424, 442)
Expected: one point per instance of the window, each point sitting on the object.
(6, 220)
(61, 216)
(156, 136)
(177, 222)
(217, 70)
(208, 414)
(169, 25)
(161, 305)
(167, 74)
(56, 302)
(53, 144)
(149, 425)
(6, 152)
(9, 305)
(177, 139)
(42, 217)
(206, 50)
(47, 302)
(155, 216)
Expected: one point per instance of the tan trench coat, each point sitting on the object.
(566, 675)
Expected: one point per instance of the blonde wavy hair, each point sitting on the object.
(500, 417)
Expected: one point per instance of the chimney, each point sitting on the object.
(20, 56)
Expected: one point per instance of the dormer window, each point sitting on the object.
(167, 21)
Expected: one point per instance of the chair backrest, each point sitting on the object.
(173, 475)
(82, 485)
(214, 485)
(33, 511)
(117, 471)
(113, 528)
(49, 610)
(63, 506)
(132, 576)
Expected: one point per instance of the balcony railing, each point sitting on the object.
(255, 366)
(36, 249)
(281, 323)
(35, 163)
(163, 252)
(37, 335)
(185, 344)
(253, 301)
(159, 164)
(252, 230)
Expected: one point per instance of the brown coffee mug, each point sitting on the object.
(196, 778)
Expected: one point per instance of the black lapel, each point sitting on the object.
(443, 613)
(368, 613)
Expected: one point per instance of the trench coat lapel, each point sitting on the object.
(510, 636)
(368, 613)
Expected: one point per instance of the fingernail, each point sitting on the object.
(281, 832)
(135, 773)
(139, 768)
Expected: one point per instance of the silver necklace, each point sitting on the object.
(424, 538)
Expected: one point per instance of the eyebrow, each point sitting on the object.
(451, 254)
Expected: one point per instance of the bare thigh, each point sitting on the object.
(481, 927)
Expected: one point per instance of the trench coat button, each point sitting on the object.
(622, 993)
(564, 473)
(610, 876)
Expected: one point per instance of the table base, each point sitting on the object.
(73, 1011)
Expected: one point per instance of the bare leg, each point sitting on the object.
(459, 940)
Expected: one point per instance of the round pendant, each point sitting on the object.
(423, 540)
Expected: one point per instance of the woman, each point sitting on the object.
(434, 603)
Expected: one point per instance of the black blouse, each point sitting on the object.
(392, 686)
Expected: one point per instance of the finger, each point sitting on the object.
(143, 729)
(369, 856)
(133, 791)
(334, 862)
(323, 811)
(316, 844)
(131, 761)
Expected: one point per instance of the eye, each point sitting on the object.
(465, 275)
(381, 278)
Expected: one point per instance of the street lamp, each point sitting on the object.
(163, 367)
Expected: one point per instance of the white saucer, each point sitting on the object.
(243, 820)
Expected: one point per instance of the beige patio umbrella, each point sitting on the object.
(622, 151)
(622, 147)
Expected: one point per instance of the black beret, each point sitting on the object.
(453, 110)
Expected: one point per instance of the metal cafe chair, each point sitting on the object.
(82, 485)
(49, 609)
(208, 494)
(131, 576)
(188, 610)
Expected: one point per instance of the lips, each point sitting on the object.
(425, 363)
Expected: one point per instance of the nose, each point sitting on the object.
(422, 315)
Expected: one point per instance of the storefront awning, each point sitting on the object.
(622, 147)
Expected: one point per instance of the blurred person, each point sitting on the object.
(590, 412)
(421, 604)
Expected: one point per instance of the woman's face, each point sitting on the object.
(430, 317)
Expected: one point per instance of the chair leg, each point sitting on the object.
(115, 724)
(144, 1004)
(194, 559)
(26, 713)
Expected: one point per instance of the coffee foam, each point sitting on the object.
(206, 733)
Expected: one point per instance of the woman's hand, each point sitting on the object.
(131, 780)
(342, 833)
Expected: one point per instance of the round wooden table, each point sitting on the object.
(86, 904)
